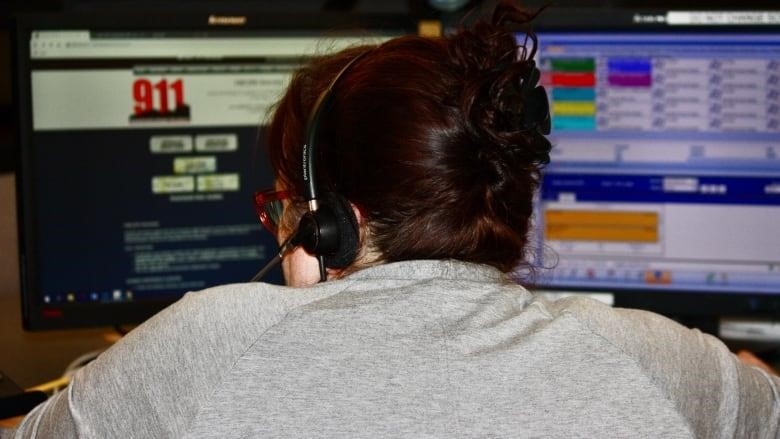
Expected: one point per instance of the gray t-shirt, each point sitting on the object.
(412, 349)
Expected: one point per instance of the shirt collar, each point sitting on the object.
(429, 269)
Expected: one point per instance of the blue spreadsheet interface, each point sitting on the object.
(665, 172)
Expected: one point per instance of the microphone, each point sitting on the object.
(308, 234)
(291, 242)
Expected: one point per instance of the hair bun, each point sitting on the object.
(502, 103)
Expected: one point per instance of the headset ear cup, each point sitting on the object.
(348, 231)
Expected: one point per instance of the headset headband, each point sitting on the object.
(323, 103)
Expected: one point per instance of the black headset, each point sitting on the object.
(329, 230)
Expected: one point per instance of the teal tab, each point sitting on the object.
(574, 94)
(574, 123)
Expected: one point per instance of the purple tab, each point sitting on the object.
(629, 80)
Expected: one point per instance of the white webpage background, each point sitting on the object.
(96, 99)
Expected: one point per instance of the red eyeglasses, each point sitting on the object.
(269, 207)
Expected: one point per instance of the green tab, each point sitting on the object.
(573, 64)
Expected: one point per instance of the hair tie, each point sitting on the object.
(537, 108)
(536, 114)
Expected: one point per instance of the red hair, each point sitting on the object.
(426, 137)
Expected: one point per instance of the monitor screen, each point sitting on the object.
(141, 147)
(664, 186)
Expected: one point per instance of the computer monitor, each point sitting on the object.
(141, 146)
(664, 186)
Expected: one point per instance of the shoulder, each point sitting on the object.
(661, 346)
(214, 325)
(625, 327)
(236, 313)
(173, 362)
(242, 300)
(696, 371)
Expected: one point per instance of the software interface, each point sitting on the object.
(665, 169)
(145, 152)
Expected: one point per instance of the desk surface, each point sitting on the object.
(11, 422)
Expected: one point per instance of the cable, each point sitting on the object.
(51, 387)
(81, 361)
(55, 385)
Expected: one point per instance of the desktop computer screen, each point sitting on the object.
(664, 186)
(141, 146)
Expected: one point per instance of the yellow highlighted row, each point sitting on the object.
(593, 225)
(574, 108)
